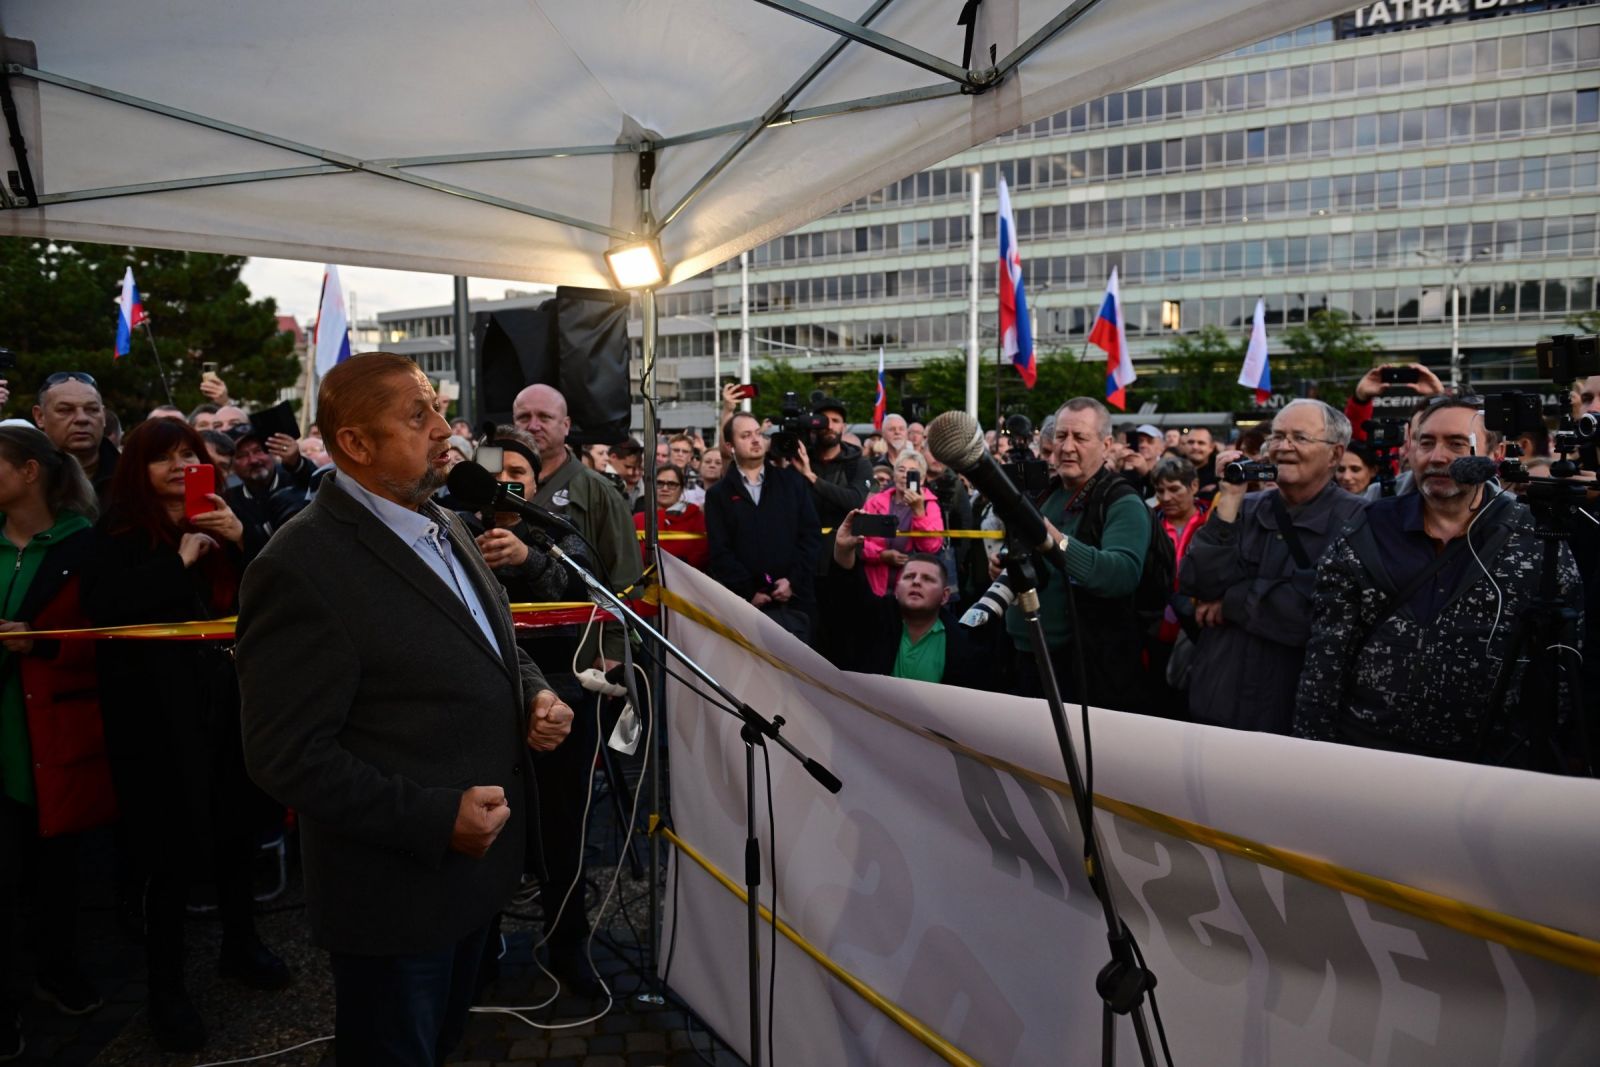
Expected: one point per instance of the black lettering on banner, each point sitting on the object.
(1178, 898)
(868, 848)
(1458, 970)
(973, 1013)
(1311, 936)
(1009, 848)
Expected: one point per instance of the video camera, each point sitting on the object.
(1026, 471)
(797, 427)
(1563, 359)
(1241, 472)
(1385, 438)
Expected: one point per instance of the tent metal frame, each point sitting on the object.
(958, 81)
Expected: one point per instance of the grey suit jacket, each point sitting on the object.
(371, 701)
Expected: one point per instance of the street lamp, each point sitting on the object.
(1457, 374)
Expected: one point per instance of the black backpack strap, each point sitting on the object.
(1290, 535)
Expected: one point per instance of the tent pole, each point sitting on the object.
(744, 323)
(463, 346)
(975, 226)
(652, 527)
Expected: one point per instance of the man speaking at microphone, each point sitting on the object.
(386, 701)
(1415, 605)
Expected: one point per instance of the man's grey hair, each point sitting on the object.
(887, 419)
(1089, 403)
(1335, 427)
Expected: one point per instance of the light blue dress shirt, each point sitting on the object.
(432, 546)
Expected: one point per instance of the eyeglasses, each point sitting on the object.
(669, 484)
(1299, 439)
(70, 376)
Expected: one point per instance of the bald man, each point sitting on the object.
(590, 501)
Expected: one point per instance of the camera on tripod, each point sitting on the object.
(1385, 439)
(1564, 359)
(797, 427)
(1243, 471)
(1026, 471)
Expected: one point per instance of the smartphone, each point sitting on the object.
(1401, 375)
(866, 525)
(747, 392)
(914, 481)
(199, 480)
(8, 359)
(208, 370)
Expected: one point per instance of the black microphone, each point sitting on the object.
(956, 440)
(1473, 470)
(475, 489)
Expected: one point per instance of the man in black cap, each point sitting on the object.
(273, 478)
(839, 474)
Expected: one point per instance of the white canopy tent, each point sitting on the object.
(505, 141)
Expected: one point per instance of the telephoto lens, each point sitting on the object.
(1242, 471)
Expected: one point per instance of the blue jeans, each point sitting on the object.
(408, 1011)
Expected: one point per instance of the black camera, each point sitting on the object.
(1566, 357)
(1513, 414)
(1385, 434)
(1241, 472)
(797, 427)
(1026, 471)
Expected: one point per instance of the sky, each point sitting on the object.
(296, 285)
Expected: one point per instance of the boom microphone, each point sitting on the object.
(956, 440)
(475, 489)
(1473, 470)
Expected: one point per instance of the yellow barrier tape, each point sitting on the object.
(222, 629)
(986, 535)
(906, 1021)
(1535, 939)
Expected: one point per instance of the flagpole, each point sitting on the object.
(974, 290)
(161, 374)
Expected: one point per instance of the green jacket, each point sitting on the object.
(16, 759)
(594, 506)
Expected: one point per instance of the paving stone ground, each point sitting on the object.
(634, 1032)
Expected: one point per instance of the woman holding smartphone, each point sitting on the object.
(913, 507)
(54, 780)
(172, 710)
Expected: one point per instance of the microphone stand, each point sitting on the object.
(756, 730)
(1123, 982)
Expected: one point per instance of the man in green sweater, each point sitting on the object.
(1104, 530)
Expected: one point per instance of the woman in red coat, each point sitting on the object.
(675, 516)
(54, 779)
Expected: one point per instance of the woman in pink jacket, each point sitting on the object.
(914, 508)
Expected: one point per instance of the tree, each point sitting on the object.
(1199, 372)
(772, 380)
(1329, 350)
(1584, 322)
(58, 312)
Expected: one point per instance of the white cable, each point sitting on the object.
(1499, 598)
(268, 1055)
(1566, 648)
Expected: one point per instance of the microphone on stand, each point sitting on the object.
(956, 440)
(478, 490)
(1473, 470)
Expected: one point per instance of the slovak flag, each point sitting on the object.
(1016, 329)
(130, 313)
(333, 327)
(881, 405)
(1110, 335)
(1257, 372)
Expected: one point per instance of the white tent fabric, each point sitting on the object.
(503, 140)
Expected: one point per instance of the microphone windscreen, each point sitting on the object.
(1473, 470)
(472, 486)
(956, 440)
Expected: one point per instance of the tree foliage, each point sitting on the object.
(1200, 372)
(58, 311)
(1329, 350)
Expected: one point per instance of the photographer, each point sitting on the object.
(839, 474)
(1416, 603)
(1251, 569)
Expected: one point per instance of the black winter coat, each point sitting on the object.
(780, 538)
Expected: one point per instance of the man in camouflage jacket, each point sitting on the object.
(1420, 676)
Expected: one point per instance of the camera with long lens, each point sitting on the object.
(1244, 471)
(798, 427)
(1027, 471)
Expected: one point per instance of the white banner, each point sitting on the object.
(946, 876)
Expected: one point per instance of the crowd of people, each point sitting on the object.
(1342, 588)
